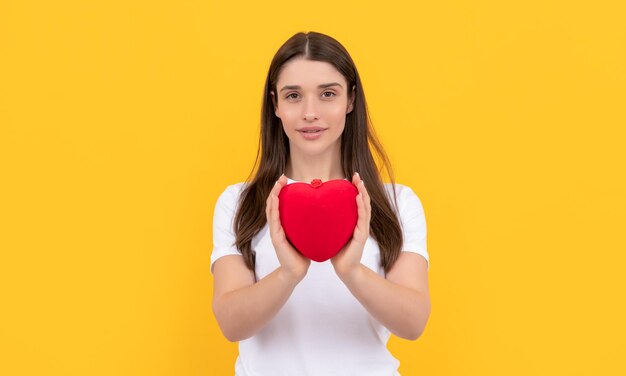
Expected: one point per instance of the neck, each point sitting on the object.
(327, 166)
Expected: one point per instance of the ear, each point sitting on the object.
(275, 104)
(351, 104)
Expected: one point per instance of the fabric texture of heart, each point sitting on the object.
(318, 217)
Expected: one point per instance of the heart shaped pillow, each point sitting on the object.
(318, 218)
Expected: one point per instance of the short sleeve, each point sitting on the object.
(223, 225)
(413, 223)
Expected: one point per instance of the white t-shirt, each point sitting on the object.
(322, 330)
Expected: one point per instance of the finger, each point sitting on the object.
(280, 183)
(361, 209)
(277, 224)
(278, 186)
(366, 197)
(268, 202)
(275, 216)
(362, 225)
(271, 218)
(360, 185)
(363, 190)
(282, 180)
(355, 179)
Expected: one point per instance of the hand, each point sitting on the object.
(348, 260)
(293, 262)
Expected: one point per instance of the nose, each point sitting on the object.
(310, 112)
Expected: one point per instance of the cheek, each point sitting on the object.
(289, 115)
(336, 114)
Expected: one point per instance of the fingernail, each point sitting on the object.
(357, 174)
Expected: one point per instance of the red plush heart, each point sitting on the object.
(318, 218)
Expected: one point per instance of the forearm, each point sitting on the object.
(243, 312)
(400, 309)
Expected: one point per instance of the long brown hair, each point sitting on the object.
(356, 139)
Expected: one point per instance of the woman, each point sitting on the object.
(292, 316)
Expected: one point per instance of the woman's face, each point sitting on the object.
(312, 94)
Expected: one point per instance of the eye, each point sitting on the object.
(289, 96)
(329, 92)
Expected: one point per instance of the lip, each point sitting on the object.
(311, 129)
(312, 135)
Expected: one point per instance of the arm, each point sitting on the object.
(241, 306)
(401, 302)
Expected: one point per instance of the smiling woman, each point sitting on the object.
(316, 112)
(292, 316)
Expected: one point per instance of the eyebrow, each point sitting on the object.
(322, 86)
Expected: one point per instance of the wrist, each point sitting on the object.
(289, 277)
(351, 275)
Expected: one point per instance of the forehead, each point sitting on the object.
(308, 73)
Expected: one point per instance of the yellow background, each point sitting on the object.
(122, 121)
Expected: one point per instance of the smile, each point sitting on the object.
(312, 135)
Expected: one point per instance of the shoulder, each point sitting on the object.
(235, 188)
(400, 188)
(402, 191)
(230, 195)
(406, 196)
